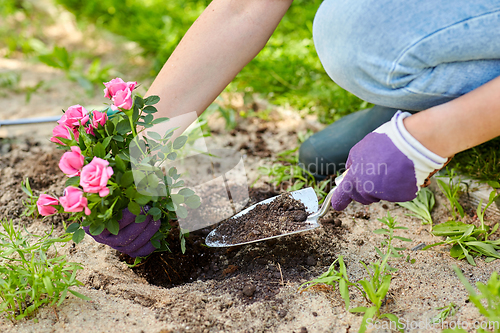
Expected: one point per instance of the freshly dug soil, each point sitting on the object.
(281, 216)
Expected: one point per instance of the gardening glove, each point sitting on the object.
(133, 238)
(387, 164)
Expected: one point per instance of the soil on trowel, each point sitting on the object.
(281, 216)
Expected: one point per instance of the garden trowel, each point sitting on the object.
(307, 196)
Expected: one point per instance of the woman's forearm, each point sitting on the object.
(228, 35)
(460, 124)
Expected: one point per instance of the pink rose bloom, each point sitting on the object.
(115, 85)
(73, 201)
(98, 118)
(123, 99)
(75, 115)
(63, 131)
(46, 205)
(71, 163)
(95, 175)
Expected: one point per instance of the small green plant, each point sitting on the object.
(467, 240)
(446, 311)
(421, 206)
(451, 190)
(286, 170)
(28, 277)
(375, 287)
(95, 74)
(30, 204)
(487, 301)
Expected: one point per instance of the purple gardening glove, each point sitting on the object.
(133, 238)
(388, 164)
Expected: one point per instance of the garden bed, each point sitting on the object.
(250, 288)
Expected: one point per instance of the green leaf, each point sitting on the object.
(96, 229)
(344, 293)
(123, 127)
(134, 208)
(106, 141)
(180, 141)
(403, 239)
(370, 312)
(72, 228)
(118, 138)
(450, 228)
(78, 236)
(113, 226)
(120, 164)
(73, 181)
(177, 198)
(99, 150)
(159, 120)
(181, 212)
(77, 294)
(142, 199)
(140, 218)
(154, 135)
(381, 231)
(151, 100)
(172, 156)
(127, 179)
(154, 211)
(149, 109)
(186, 192)
(193, 201)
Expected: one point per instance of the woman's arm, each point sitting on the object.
(227, 36)
(460, 124)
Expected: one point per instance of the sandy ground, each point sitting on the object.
(122, 301)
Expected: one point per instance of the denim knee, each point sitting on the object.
(409, 55)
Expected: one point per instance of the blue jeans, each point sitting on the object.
(409, 54)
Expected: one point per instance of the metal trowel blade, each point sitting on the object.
(307, 196)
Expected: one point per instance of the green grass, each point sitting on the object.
(481, 162)
(287, 71)
(29, 277)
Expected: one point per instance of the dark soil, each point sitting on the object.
(283, 215)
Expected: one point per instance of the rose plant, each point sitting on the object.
(116, 190)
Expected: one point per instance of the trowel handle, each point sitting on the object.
(326, 203)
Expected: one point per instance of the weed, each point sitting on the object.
(467, 240)
(30, 204)
(286, 171)
(446, 311)
(452, 191)
(375, 287)
(422, 205)
(487, 301)
(28, 277)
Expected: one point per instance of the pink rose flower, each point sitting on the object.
(98, 118)
(45, 204)
(115, 85)
(71, 163)
(123, 99)
(95, 175)
(73, 201)
(75, 115)
(63, 131)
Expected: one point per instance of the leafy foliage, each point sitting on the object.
(451, 190)
(29, 278)
(467, 240)
(375, 287)
(487, 301)
(286, 171)
(446, 311)
(421, 206)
